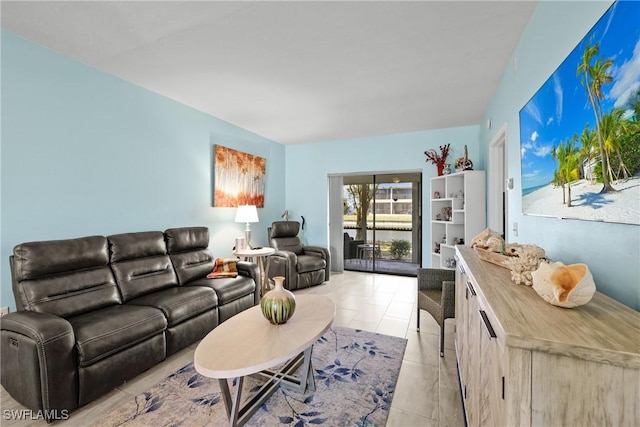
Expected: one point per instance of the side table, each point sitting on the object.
(366, 252)
(259, 254)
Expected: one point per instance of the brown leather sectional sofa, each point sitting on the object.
(96, 311)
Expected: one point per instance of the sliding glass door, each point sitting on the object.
(382, 217)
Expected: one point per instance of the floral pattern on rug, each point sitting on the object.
(355, 373)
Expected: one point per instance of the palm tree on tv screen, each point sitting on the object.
(568, 158)
(594, 77)
(588, 141)
(613, 128)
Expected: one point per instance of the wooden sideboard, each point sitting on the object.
(524, 362)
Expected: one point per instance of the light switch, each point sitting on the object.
(509, 183)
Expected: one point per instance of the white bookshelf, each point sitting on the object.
(463, 193)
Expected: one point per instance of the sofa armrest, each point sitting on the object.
(38, 362)
(250, 269)
(283, 263)
(323, 253)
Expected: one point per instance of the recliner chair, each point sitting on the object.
(351, 246)
(302, 266)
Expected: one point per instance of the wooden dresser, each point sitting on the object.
(524, 362)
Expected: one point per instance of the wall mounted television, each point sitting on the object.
(580, 132)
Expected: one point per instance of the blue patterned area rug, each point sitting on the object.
(355, 373)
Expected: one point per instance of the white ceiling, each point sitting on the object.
(295, 71)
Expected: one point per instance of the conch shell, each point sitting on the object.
(564, 285)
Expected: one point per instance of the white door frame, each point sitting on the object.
(335, 226)
(497, 178)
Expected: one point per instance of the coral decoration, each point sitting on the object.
(438, 159)
(523, 261)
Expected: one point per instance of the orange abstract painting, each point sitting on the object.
(238, 178)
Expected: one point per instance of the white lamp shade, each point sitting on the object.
(247, 213)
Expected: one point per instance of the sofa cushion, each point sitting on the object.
(136, 245)
(226, 288)
(102, 333)
(143, 276)
(284, 237)
(37, 259)
(192, 265)
(63, 277)
(186, 239)
(180, 303)
(310, 263)
(141, 264)
(73, 293)
(291, 244)
(188, 249)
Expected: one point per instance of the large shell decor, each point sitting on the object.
(564, 285)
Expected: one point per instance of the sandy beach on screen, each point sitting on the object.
(587, 202)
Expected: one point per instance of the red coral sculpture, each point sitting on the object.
(438, 159)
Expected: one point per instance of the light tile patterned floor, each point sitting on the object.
(427, 393)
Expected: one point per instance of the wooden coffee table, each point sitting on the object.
(247, 344)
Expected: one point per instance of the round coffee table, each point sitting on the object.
(259, 254)
(247, 344)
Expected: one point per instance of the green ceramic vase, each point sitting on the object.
(278, 304)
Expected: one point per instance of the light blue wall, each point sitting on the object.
(611, 251)
(85, 153)
(308, 166)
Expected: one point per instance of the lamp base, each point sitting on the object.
(247, 236)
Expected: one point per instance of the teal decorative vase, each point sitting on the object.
(278, 304)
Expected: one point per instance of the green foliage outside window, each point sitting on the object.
(399, 249)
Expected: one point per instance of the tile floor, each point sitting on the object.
(427, 392)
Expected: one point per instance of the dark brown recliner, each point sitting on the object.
(72, 338)
(302, 266)
(351, 246)
(96, 311)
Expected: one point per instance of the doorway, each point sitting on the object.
(498, 203)
(382, 223)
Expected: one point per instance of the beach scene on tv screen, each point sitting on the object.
(580, 132)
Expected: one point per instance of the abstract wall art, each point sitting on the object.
(238, 178)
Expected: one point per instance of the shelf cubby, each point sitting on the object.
(461, 196)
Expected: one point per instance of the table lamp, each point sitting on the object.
(247, 214)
